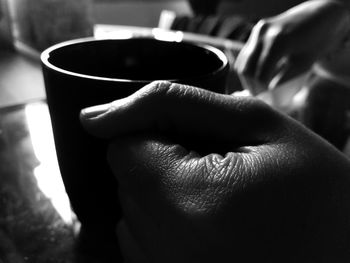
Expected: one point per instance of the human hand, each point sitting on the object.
(284, 46)
(206, 177)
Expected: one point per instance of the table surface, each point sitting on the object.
(36, 221)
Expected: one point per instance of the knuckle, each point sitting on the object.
(153, 93)
(181, 91)
(209, 189)
(270, 31)
(262, 25)
(194, 194)
(168, 91)
(186, 94)
(155, 88)
(224, 171)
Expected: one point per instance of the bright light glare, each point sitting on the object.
(110, 32)
(160, 34)
(47, 173)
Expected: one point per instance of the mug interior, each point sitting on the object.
(137, 59)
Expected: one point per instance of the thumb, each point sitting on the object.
(188, 112)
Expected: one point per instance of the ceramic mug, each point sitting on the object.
(86, 72)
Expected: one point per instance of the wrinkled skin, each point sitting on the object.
(284, 46)
(206, 177)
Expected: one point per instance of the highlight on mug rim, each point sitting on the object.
(46, 54)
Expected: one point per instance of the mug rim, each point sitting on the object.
(45, 56)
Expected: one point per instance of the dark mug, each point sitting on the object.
(86, 72)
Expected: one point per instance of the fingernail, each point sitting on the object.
(95, 111)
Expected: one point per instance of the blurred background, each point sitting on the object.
(27, 27)
(43, 22)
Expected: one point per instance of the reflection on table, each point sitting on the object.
(36, 221)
